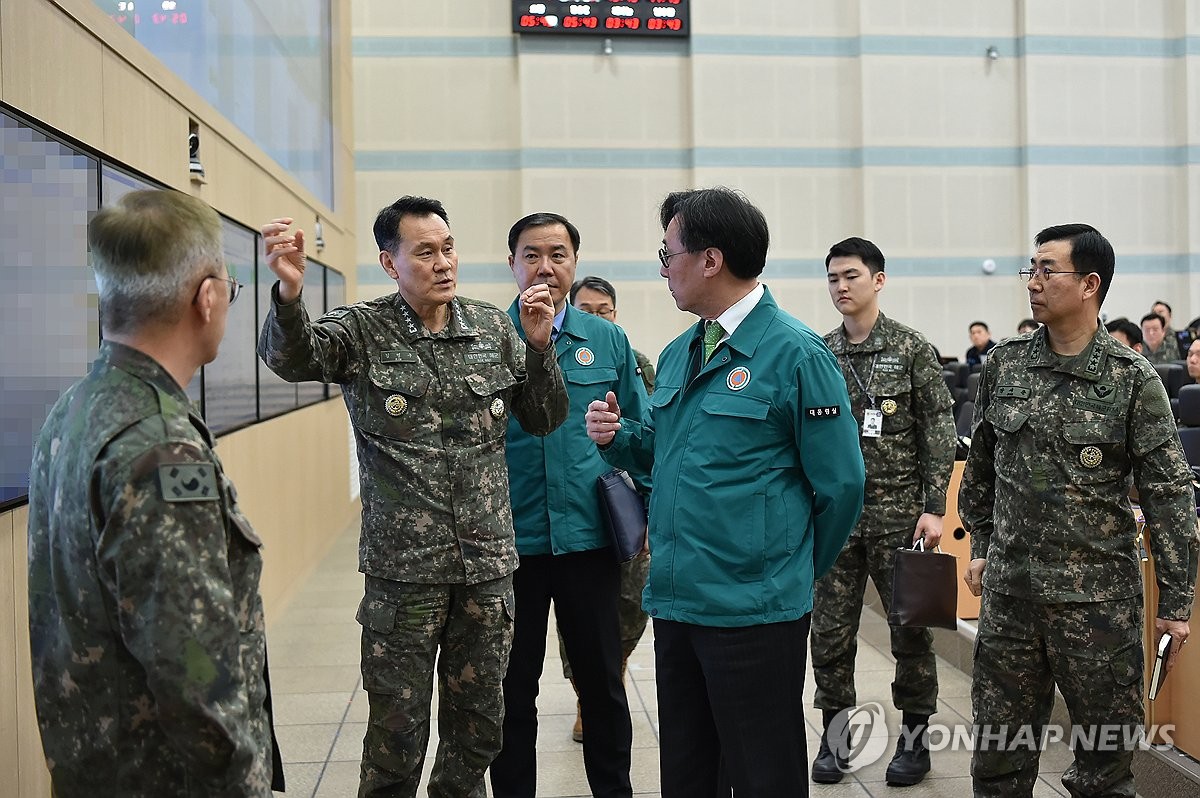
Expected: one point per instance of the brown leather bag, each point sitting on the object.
(924, 588)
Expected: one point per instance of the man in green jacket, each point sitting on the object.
(758, 480)
(564, 549)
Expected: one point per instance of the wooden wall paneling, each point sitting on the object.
(952, 525)
(143, 127)
(52, 71)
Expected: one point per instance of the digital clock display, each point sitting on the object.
(605, 17)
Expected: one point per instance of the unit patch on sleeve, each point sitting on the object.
(188, 482)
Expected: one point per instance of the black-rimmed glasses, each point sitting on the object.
(664, 256)
(1042, 273)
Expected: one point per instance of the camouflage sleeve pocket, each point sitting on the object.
(378, 616)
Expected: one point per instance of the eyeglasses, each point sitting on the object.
(664, 256)
(235, 287)
(1042, 273)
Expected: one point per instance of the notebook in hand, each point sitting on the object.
(1158, 674)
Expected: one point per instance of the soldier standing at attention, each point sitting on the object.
(1065, 419)
(429, 380)
(145, 623)
(902, 407)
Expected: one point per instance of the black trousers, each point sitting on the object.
(731, 709)
(584, 587)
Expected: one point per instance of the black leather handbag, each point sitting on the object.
(624, 513)
(924, 588)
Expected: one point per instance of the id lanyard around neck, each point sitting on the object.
(865, 388)
(872, 426)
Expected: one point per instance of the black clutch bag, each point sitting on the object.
(624, 513)
(924, 589)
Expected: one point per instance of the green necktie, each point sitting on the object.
(712, 336)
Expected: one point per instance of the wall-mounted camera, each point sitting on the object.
(195, 168)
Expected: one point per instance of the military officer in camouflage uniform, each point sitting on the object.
(145, 621)
(902, 407)
(597, 296)
(1065, 420)
(430, 380)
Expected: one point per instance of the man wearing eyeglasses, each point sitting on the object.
(758, 480)
(145, 622)
(430, 380)
(1065, 420)
(596, 296)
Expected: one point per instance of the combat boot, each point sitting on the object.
(577, 729)
(831, 763)
(911, 762)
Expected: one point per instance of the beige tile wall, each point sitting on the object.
(883, 104)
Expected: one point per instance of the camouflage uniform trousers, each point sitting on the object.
(837, 605)
(629, 609)
(404, 626)
(1093, 652)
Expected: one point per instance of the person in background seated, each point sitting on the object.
(1155, 345)
(981, 343)
(1193, 361)
(1126, 332)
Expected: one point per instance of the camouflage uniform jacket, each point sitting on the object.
(1168, 351)
(645, 371)
(145, 622)
(1057, 441)
(429, 412)
(909, 466)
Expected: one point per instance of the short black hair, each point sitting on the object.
(1090, 252)
(1164, 304)
(860, 248)
(595, 284)
(1124, 326)
(387, 221)
(1155, 316)
(541, 220)
(982, 324)
(724, 219)
(1030, 323)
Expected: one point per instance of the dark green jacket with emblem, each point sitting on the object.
(429, 412)
(758, 478)
(1057, 443)
(552, 479)
(145, 623)
(909, 465)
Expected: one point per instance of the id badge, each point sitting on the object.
(872, 424)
